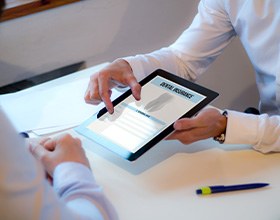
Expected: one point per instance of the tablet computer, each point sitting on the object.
(136, 126)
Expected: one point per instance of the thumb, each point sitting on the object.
(50, 144)
(184, 124)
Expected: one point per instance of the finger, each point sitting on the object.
(184, 124)
(169, 137)
(92, 92)
(44, 140)
(180, 136)
(50, 144)
(105, 93)
(89, 98)
(185, 137)
(34, 142)
(39, 152)
(136, 89)
(175, 136)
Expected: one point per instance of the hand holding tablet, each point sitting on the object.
(136, 126)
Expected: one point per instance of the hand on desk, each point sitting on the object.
(206, 124)
(118, 73)
(53, 151)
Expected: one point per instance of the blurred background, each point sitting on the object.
(86, 33)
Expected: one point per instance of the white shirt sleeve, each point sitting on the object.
(26, 194)
(213, 31)
(262, 132)
(76, 186)
(187, 57)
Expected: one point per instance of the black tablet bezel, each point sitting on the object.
(209, 94)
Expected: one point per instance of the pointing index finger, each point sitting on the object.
(105, 93)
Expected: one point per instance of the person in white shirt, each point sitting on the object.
(257, 24)
(70, 192)
(26, 193)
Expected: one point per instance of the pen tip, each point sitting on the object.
(24, 134)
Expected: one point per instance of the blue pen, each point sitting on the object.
(24, 134)
(218, 189)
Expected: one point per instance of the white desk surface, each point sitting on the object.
(161, 184)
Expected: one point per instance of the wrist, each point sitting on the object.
(222, 125)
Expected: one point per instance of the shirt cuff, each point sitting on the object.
(241, 128)
(68, 173)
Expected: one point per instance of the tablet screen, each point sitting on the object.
(135, 123)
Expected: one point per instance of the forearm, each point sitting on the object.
(169, 59)
(144, 64)
(76, 186)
